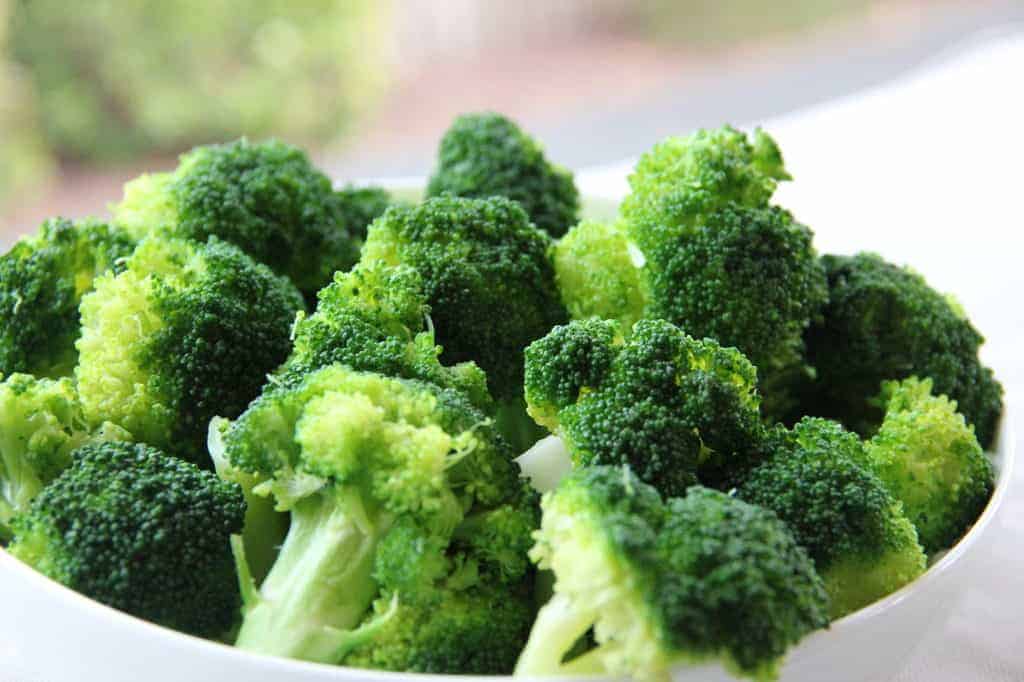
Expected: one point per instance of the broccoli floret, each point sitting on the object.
(266, 198)
(375, 319)
(489, 283)
(186, 332)
(146, 533)
(598, 273)
(360, 206)
(42, 281)
(484, 155)
(670, 406)
(686, 580)
(348, 454)
(862, 544)
(882, 323)
(930, 460)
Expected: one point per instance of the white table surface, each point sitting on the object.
(928, 170)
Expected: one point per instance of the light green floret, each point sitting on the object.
(930, 460)
(598, 273)
(147, 205)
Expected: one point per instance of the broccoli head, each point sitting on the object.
(691, 579)
(674, 408)
(266, 198)
(349, 455)
(186, 332)
(360, 206)
(862, 544)
(140, 531)
(42, 281)
(882, 323)
(930, 460)
(484, 155)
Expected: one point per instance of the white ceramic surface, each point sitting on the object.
(51, 634)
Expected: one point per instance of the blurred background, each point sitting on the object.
(92, 93)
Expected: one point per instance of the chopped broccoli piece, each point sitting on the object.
(349, 455)
(671, 407)
(882, 323)
(862, 544)
(931, 461)
(691, 579)
(598, 273)
(146, 533)
(42, 281)
(360, 206)
(266, 198)
(484, 155)
(186, 332)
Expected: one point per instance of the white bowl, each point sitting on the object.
(51, 634)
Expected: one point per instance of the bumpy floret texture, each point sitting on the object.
(485, 269)
(598, 273)
(667, 582)
(186, 332)
(672, 407)
(42, 281)
(266, 198)
(483, 155)
(884, 322)
(929, 458)
(862, 544)
(360, 206)
(143, 532)
(375, 319)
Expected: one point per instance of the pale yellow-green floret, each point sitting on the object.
(147, 205)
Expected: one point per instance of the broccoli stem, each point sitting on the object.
(321, 584)
(559, 625)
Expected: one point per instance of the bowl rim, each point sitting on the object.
(1005, 452)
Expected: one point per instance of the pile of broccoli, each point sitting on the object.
(477, 434)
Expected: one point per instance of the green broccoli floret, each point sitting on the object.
(671, 407)
(489, 283)
(484, 155)
(683, 581)
(375, 319)
(349, 454)
(862, 544)
(42, 281)
(186, 332)
(928, 457)
(360, 206)
(142, 532)
(598, 273)
(266, 198)
(882, 323)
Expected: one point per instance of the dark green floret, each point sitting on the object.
(884, 322)
(672, 407)
(186, 332)
(930, 460)
(142, 532)
(360, 206)
(266, 198)
(484, 155)
(42, 281)
(685, 581)
(862, 544)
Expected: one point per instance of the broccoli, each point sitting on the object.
(683, 580)
(186, 332)
(375, 319)
(349, 455)
(140, 531)
(42, 281)
(598, 273)
(484, 155)
(882, 323)
(931, 461)
(360, 206)
(862, 544)
(489, 284)
(671, 407)
(266, 198)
